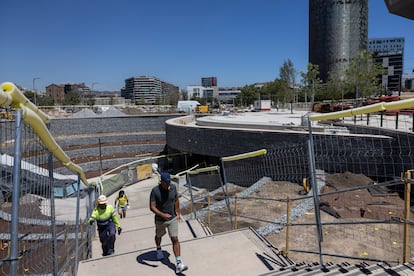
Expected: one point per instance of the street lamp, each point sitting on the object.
(93, 84)
(34, 90)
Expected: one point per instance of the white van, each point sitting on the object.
(187, 106)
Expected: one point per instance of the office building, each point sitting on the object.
(195, 91)
(200, 92)
(168, 91)
(209, 82)
(389, 52)
(148, 90)
(338, 32)
(228, 94)
(143, 90)
(407, 81)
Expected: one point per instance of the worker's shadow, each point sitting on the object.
(151, 256)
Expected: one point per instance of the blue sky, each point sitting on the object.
(106, 41)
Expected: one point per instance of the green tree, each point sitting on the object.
(72, 98)
(310, 81)
(287, 77)
(285, 93)
(29, 95)
(89, 99)
(287, 73)
(183, 95)
(362, 75)
(335, 86)
(248, 94)
(45, 100)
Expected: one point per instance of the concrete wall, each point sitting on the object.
(384, 157)
(147, 132)
(72, 126)
(224, 142)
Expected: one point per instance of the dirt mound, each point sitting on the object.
(377, 240)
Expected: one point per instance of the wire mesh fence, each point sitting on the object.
(51, 234)
(357, 173)
(363, 200)
(356, 225)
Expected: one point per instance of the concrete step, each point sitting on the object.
(238, 252)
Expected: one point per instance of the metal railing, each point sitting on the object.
(41, 234)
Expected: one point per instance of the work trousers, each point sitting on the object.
(107, 236)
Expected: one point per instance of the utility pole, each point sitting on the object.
(34, 90)
(92, 85)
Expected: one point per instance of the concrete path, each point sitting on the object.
(240, 252)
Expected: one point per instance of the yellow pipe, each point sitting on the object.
(350, 112)
(37, 120)
(186, 171)
(244, 155)
(132, 162)
(18, 99)
(5, 99)
(368, 109)
(331, 116)
(41, 130)
(397, 105)
(201, 170)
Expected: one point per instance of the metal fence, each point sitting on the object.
(43, 229)
(43, 214)
(344, 194)
(379, 229)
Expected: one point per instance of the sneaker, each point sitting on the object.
(160, 255)
(180, 268)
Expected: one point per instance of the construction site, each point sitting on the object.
(275, 193)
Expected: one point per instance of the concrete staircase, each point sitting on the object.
(344, 268)
(238, 252)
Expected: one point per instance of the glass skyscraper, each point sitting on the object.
(338, 31)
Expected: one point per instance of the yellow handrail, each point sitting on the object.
(244, 155)
(10, 95)
(397, 105)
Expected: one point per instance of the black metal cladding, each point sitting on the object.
(338, 31)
